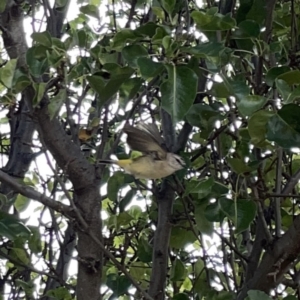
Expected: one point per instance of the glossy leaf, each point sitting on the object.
(131, 54)
(247, 105)
(273, 73)
(178, 91)
(284, 127)
(149, 68)
(247, 29)
(214, 213)
(241, 212)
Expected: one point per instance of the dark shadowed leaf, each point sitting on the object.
(118, 283)
(258, 295)
(241, 212)
(203, 225)
(273, 73)
(257, 127)
(178, 270)
(284, 127)
(11, 227)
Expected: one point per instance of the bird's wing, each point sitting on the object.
(146, 139)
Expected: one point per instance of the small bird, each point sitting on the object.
(156, 162)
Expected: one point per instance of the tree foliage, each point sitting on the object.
(222, 81)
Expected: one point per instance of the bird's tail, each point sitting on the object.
(107, 161)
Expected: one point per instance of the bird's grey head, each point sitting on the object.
(175, 161)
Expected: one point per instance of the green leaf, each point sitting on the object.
(119, 284)
(168, 5)
(125, 36)
(179, 91)
(239, 166)
(273, 73)
(291, 77)
(40, 89)
(214, 213)
(2, 6)
(7, 72)
(126, 200)
(283, 88)
(202, 187)
(251, 103)
(225, 143)
(181, 296)
(115, 183)
(203, 116)
(149, 68)
(107, 90)
(241, 212)
(132, 53)
(258, 11)
(11, 227)
(90, 10)
(247, 29)
(21, 82)
(21, 255)
(257, 295)
(204, 225)
(56, 103)
(21, 203)
(178, 271)
(208, 22)
(34, 242)
(257, 127)
(180, 237)
(43, 38)
(284, 127)
(37, 65)
(144, 251)
(60, 293)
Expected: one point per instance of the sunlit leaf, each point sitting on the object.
(7, 72)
